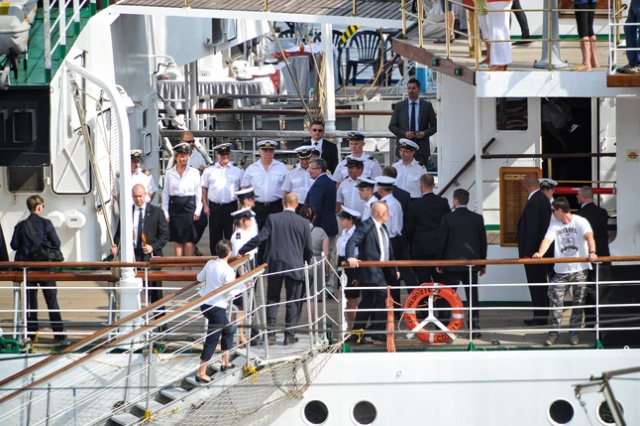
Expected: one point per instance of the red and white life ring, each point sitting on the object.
(436, 290)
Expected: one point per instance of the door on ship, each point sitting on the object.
(567, 129)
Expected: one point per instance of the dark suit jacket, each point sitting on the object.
(329, 154)
(156, 231)
(23, 243)
(288, 238)
(599, 220)
(423, 223)
(365, 238)
(399, 124)
(533, 224)
(462, 236)
(4, 253)
(322, 196)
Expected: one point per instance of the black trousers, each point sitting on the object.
(372, 299)
(220, 223)
(155, 287)
(218, 323)
(262, 210)
(401, 252)
(453, 278)
(51, 298)
(521, 17)
(427, 274)
(539, 298)
(293, 290)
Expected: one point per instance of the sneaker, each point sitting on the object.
(575, 340)
(551, 340)
(628, 69)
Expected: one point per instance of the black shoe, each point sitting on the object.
(202, 379)
(476, 335)
(522, 42)
(226, 367)
(534, 322)
(290, 340)
(364, 341)
(272, 339)
(378, 337)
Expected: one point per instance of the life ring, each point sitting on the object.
(414, 300)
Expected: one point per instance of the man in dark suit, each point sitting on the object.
(23, 243)
(371, 238)
(151, 239)
(532, 226)
(463, 236)
(415, 119)
(322, 197)
(288, 238)
(598, 218)
(422, 226)
(328, 150)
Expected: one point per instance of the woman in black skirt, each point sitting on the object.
(348, 220)
(182, 201)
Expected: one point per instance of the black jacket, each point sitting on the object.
(23, 243)
(423, 223)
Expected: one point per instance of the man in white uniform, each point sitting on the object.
(409, 169)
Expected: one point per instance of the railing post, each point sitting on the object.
(25, 314)
(470, 302)
(17, 320)
(47, 412)
(76, 18)
(92, 7)
(263, 331)
(324, 286)
(597, 325)
(309, 313)
(550, 57)
(46, 23)
(62, 29)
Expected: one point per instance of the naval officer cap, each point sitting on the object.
(408, 144)
(242, 213)
(349, 213)
(223, 148)
(316, 151)
(366, 183)
(304, 151)
(546, 183)
(355, 136)
(355, 162)
(268, 144)
(245, 193)
(385, 181)
(182, 148)
(136, 155)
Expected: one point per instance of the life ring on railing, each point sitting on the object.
(425, 291)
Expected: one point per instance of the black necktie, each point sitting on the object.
(385, 243)
(140, 228)
(412, 125)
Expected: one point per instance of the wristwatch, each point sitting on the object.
(592, 251)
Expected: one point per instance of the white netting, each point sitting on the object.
(256, 400)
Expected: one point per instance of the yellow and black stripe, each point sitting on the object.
(351, 29)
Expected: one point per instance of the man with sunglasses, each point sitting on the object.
(328, 150)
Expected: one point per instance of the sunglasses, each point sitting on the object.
(317, 130)
(191, 141)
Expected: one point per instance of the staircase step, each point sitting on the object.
(140, 408)
(124, 419)
(171, 394)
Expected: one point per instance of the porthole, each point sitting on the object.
(560, 412)
(604, 413)
(364, 413)
(316, 412)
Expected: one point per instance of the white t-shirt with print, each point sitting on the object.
(570, 242)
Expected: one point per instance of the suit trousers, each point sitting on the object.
(200, 226)
(293, 291)
(427, 274)
(50, 297)
(401, 252)
(155, 287)
(453, 278)
(220, 223)
(217, 326)
(372, 299)
(539, 299)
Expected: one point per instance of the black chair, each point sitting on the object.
(288, 33)
(367, 46)
(339, 44)
(389, 55)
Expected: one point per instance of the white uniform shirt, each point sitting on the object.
(298, 181)
(343, 239)
(395, 221)
(409, 177)
(185, 185)
(140, 177)
(267, 184)
(348, 195)
(221, 182)
(196, 160)
(240, 237)
(216, 273)
(366, 212)
(371, 169)
(570, 242)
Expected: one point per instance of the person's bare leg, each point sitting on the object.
(450, 24)
(189, 249)
(585, 48)
(178, 249)
(594, 53)
(352, 304)
(202, 370)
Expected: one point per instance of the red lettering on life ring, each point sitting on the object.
(439, 290)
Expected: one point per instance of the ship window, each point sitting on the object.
(25, 179)
(604, 413)
(560, 412)
(512, 114)
(364, 413)
(316, 412)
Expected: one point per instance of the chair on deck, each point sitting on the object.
(288, 33)
(339, 44)
(367, 47)
(389, 56)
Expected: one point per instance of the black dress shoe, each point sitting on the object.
(364, 341)
(202, 380)
(226, 367)
(535, 321)
(290, 340)
(378, 337)
(522, 43)
(476, 335)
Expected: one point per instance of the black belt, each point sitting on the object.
(234, 203)
(258, 203)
